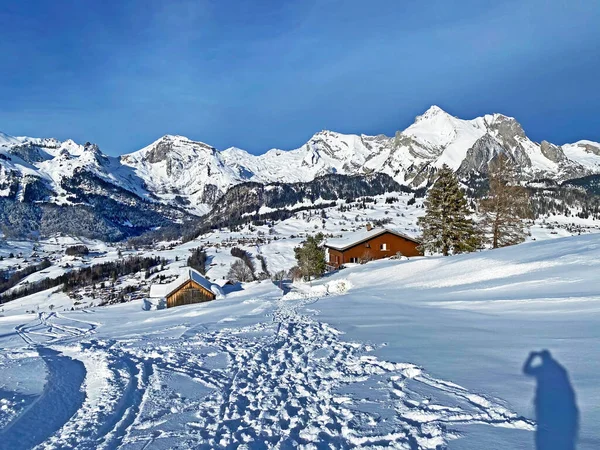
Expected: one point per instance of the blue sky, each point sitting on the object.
(262, 74)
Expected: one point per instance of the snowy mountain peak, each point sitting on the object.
(173, 138)
(436, 131)
(432, 112)
(171, 147)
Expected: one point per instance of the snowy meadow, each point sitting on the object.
(426, 353)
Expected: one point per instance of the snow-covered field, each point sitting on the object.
(409, 354)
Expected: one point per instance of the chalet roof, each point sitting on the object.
(162, 290)
(358, 237)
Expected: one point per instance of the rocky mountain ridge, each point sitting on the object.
(203, 173)
(176, 176)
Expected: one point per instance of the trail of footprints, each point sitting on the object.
(281, 384)
(296, 382)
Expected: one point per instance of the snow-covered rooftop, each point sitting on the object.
(162, 290)
(365, 234)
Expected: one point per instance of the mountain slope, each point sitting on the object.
(48, 186)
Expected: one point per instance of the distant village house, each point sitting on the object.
(369, 244)
(190, 287)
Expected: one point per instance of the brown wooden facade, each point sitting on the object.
(380, 246)
(188, 293)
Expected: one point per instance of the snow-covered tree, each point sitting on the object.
(447, 227)
(239, 271)
(506, 206)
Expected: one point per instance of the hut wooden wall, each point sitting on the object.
(190, 292)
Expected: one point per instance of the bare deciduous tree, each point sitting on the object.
(506, 206)
(239, 271)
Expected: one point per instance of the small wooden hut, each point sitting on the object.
(190, 287)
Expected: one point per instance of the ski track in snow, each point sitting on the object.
(287, 381)
(58, 402)
(53, 327)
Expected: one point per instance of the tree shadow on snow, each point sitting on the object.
(235, 287)
(556, 410)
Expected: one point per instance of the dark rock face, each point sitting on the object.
(211, 194)
(508, 130)
(160, 152)
(9, 181)
(421, 175)
(30, 153)
(483, 151)
(591, 149)
(552, 152)
(511, 136)
(403, 140)
(100, 157)
(35, 190)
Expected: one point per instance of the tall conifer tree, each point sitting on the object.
(446, 225)
(311, 256)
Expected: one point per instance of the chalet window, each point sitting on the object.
(368, 245)
(383, 246)
(354, 260)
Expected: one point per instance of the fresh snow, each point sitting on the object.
(582, 153)
(421, 353)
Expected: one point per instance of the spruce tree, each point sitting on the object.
(198, 260)
(311, 256)
(446, 225)
(505, 207)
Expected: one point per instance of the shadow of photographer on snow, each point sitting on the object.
(556, 410)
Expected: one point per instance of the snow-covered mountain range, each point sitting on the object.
(177, 171)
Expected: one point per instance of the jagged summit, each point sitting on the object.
(431, 112)
(177, 138)
(168, 147)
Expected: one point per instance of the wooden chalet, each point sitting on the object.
(190, 287)
(369, 244)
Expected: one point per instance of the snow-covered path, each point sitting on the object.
(279, 378)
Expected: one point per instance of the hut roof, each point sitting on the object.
(163, 290)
